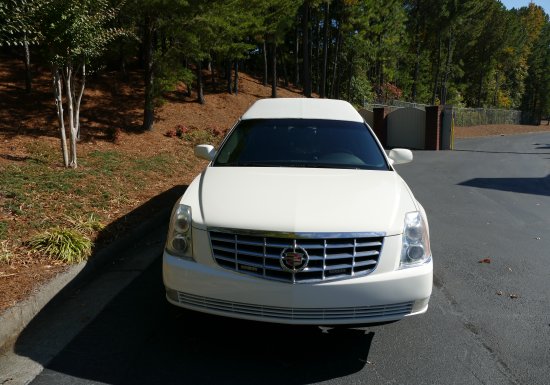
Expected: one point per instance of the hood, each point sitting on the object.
(301, 200)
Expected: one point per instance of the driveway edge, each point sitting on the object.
(14, 320)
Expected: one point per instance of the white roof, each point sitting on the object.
(302, 108)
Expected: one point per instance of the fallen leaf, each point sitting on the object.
(485, 260)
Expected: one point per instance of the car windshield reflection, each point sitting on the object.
(301, 143)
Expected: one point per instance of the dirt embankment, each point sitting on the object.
(499, 129)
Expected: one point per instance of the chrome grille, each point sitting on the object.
(396, 310)
(331, 256)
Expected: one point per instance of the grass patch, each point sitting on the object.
(13, 187)
(18, 184)
(42, 153)
(69, 246)
(67, 208)
(3, 230)
(104, 162)
(156, 163)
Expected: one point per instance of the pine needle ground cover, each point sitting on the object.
(121, 168)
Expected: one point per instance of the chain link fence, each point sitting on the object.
(463, 116)
(478, 116)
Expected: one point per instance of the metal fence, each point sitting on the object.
(463, 116)
(371, 106)
(395, 104)
(478, 116)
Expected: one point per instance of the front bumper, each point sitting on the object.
(387, 294)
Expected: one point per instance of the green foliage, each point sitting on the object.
(196, 136)
(3, 230)
(169, 72)
(362, 90)
(76, 30)
(536, 101)
(17, 22)
(469, 52)
(69, 246)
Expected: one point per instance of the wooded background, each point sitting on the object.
(468, 53)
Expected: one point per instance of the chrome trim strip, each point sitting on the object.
(291, 235)
(323, 314)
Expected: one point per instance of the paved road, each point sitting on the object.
(488, 199)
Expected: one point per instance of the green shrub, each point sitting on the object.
(64, 244)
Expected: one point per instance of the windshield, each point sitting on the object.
(301, 143)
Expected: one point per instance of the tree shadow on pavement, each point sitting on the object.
(141, 339)
(533, 186)
(124, 239)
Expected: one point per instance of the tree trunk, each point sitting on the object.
(495, 96)
(447, 68)
(414, 89)
(285, 72)
(28, 74)
(229, 77)
(350, 76)
(274, 69)
(69, 96)
(265, 62)
(317, 56)
(236, 78)
(212, 68)
(296, 57)
(379, 66)
(437, 66)
(480, 89)
(335, 67)
(148, 110)
(325, 53)
(122, 62)
(79, 99)
(58, 89)
(416, 73)
(200, 88)
(305, 50)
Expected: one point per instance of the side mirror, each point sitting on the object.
(400, 156)
(205, 151)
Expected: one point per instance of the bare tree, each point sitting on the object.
(73, 32)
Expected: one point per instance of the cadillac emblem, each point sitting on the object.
(294, 259)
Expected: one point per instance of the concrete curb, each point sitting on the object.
(14, 320)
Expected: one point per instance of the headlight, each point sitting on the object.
(179, 240)
(416, 240)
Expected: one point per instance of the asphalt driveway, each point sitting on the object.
(488, 323)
